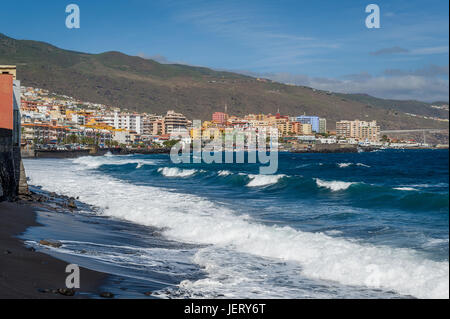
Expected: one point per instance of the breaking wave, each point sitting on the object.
(176, 172)
(204, 222)
(94, 162)
(334, 185)
(263, 180)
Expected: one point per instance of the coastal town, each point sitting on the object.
(49, 120)
(53, 122)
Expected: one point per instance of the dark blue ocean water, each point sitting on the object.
(325, 225)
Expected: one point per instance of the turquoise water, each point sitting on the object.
(326, 225)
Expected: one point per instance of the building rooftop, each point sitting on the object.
(8, 69)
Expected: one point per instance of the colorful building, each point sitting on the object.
(220, 118)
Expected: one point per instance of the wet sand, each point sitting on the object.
(25, 273)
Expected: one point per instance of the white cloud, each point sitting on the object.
(413, 86)
(160, 59)
(430, 50)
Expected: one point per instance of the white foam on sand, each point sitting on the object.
(318, 256)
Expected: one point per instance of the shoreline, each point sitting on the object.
(30, 274)
(66, 154)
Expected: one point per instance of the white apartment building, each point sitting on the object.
(175, 122)
(79, 119)
(127, 121)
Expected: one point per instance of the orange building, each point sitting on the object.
(6, 101)
(29, 106)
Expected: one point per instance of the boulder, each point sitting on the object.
(107, 295)
(51, 243)
(66, 292)
(71, 204)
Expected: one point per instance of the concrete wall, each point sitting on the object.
(12, 174)
(9, 166)
(16, 112)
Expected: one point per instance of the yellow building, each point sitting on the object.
(306, 129)
(360, 130)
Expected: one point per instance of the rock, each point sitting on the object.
(148, 293)
(51, 243)
(66, 292)
(32, 249)
(7, 252)
(48, 291)
(71, 204)
(107, 295)
(26, 198)
(44, 291)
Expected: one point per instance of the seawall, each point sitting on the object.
(32, 153)
(10, 166)
(326, 148)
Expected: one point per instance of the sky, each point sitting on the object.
(324, 44)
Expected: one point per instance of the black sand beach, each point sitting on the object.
(25, 273)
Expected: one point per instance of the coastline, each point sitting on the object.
(26, 273)
(321, 149)
(58, 216)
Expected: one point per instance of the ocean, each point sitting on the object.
(365, 225)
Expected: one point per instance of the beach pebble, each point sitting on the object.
(66, 292)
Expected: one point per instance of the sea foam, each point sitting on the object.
(204, 222)
(263, 180)
(405, 189)
(224, 173)
(333, 185)
(93, 162)
(176, 172)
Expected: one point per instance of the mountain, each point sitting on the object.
(144, 85)
(412, 107)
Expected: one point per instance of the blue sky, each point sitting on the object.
(322, 43)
